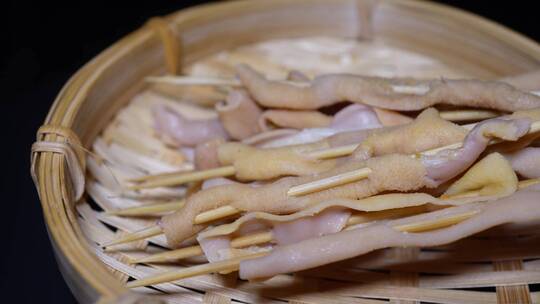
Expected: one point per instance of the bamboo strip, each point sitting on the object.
(148, 210)
(511, 294)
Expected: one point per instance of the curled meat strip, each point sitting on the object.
(403, 94)
(526, 162)
(179, 131)
(206, 155)
(239, 115)
(448, 163)
(519, 207)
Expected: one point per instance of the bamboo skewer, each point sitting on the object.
(227, 265)
(182, 253)
(170, 179)
(148, 210)
(215, 214)
(138, 235)
(234, 264)
(359, 174)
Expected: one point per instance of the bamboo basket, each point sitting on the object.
(89, 100)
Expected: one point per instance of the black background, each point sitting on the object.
(47, 41)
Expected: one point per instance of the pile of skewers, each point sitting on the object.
(288, 175)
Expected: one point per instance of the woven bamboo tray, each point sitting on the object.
(497, 267)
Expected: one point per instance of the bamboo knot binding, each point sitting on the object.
(171, 45)
(68, 145)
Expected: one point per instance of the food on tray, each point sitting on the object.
(312, 168)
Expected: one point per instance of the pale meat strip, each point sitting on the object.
(403, 94)
(519, 207)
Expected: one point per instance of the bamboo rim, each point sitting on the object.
(53, 183)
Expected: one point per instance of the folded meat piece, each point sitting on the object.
(526, 162)
(239, 115)
(519, 207)
(492, 175)
(180, 131)
(447, 163)
(426, 132)
(403, 94)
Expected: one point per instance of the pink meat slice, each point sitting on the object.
(526, 162)
(181, 131)
(212, 247)
(326, 222)
(355, 117)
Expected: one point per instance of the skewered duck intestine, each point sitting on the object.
(521, 206)
(403, 94)
(492, 177)
(427, 131)
(394, 172)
